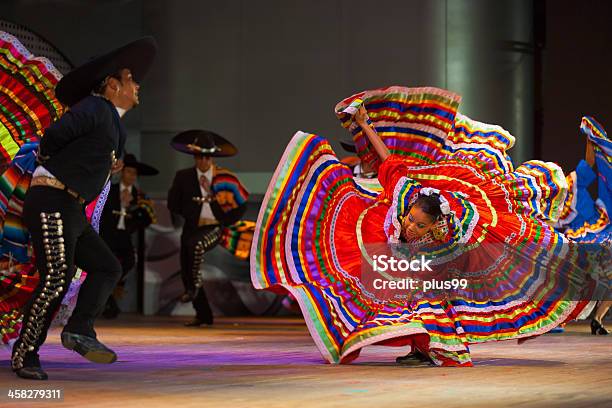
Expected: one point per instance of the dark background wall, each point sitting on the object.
(256, 72)
(576, 80)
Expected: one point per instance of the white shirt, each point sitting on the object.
(122, 187)
(41, 171)
(206, 211)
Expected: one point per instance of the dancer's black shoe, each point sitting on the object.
(413, 358)
(31, 373)
(111, 309)
(598, 328)
(30, 368)
(186, 297)
(88, 347)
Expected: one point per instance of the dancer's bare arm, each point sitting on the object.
(361, 117)
(589, 156)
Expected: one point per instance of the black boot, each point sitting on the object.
(111, 310)
(88, 347)
(598, 328)
(31, 373)
(187, 297)
(413, 358)
(30, 368)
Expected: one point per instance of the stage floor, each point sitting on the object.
(272, 362)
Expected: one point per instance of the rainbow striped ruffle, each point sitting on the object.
(27, 107)
(230, 194)
(423, 126)
(237, 239)
(316, 221)
(27, 98)
(228, 189)
(423, 115)
(14, 183)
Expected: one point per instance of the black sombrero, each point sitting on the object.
(348, 145)
(203, 142)
(136, 56)
(129, 160)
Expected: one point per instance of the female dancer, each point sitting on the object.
(449, 188)
(586, 220)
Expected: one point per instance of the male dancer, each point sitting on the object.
(77, 154)
(208, 198)
(126, 211)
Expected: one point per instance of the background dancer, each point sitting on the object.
(127, 210)
(586, 212)
(208, 198)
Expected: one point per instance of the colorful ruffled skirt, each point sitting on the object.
(317, 225)
(28, 106)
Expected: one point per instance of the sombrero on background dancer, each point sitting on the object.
(203, 142)
(227, 187)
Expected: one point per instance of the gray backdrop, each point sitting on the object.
(257, 71)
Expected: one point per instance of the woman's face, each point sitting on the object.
(416, 224)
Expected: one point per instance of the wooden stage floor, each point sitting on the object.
(272, 362)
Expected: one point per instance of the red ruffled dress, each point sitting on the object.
(317, 228)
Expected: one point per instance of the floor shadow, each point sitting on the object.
(516, 362)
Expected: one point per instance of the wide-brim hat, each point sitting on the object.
(348, 145)
(136, 56)
(129, 160)
(203, 142)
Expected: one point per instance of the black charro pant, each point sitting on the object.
(194, 244)
(121, 245)
(124, 251)
(62, 240)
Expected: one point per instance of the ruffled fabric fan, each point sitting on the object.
(27, 107)
(318, 231)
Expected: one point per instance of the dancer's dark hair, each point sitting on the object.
(430, 205)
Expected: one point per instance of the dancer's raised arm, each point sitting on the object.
(361, 117)
(589, 156)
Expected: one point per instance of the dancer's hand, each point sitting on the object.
(361, 117)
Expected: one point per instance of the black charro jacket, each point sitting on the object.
(79, 147)
(180, 201)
